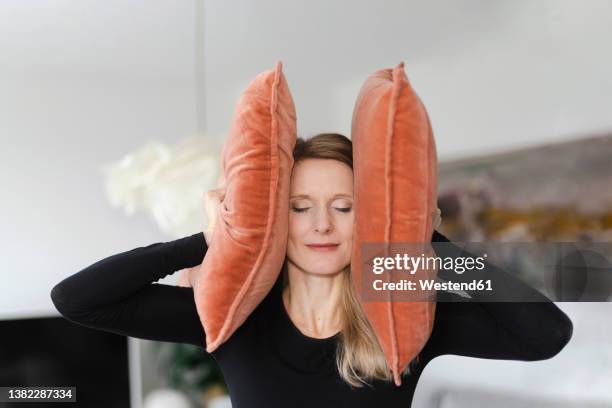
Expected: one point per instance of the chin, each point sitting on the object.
(322, 266)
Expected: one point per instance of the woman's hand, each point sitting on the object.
(212, 202)
(437, 219)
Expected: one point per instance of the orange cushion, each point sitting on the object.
(395, 171)
(249, 241)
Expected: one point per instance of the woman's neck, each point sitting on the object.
(313, 302)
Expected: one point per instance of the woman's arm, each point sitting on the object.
(118, 293)
(480, 327)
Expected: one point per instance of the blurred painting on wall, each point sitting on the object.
(557, 192)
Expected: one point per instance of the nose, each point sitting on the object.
(323, 222)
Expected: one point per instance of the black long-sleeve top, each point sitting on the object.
(268, 362)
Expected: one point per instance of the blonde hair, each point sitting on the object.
(359, 356)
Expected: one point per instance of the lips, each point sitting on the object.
(323, 247)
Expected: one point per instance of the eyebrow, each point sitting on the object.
(335, 195)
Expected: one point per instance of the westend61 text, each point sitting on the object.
(431, 284)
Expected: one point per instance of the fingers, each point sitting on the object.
(213, 200)
(217, 194)
(221, 181)
(437, 219)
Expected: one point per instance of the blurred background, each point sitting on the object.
(112, 114)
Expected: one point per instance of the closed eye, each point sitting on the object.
(300, 210)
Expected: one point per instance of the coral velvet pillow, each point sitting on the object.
(249, 241)
(395, 171)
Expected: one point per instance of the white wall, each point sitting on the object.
(84, 82)
(81, 84)
(493, 74)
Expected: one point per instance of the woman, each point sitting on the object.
(308, 343)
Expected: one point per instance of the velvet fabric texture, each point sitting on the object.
(249, 242)
(395, 171)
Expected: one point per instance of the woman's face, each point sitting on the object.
(320, 212)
